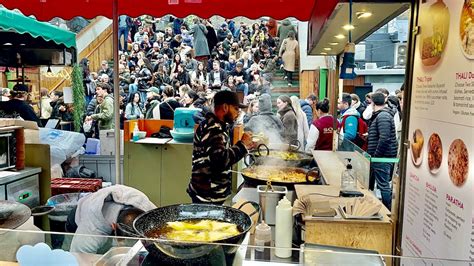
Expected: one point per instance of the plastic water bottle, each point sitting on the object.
(135, 135)
(348, 178)
(283, 228)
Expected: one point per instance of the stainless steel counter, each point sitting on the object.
(21, 186)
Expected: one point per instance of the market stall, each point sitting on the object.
(28, 44)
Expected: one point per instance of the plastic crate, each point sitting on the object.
(71, 185)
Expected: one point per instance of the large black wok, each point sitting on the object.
(263, 155)
(158, 218)
(312, 176)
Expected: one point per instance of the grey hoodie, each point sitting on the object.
(97, 212)
(265, 121)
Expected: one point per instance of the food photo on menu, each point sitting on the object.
(466, 29)
(458, 162)
(435, 153)
(417, 147)
(434, 33)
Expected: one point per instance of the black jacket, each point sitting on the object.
(109, 71)
(382, 140)
(242, 74)
(167, 109)
(211, 38)
(183, 78)
(18, 108)
(222, 77)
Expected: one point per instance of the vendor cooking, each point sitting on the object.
(213, 155)
(99, 213)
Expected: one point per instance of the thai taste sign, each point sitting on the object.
(439, 204)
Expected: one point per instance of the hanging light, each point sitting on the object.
(348, 61)
(49, 69)
(363, 14)
(348, 27)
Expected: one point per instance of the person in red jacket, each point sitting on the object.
(320, 135)
(272, 27)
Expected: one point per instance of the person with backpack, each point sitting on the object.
(382, 143)
(352, 127)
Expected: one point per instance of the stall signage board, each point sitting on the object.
(438, 218)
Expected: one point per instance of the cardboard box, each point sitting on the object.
(30, 128)
(32, 136)
(8, 122)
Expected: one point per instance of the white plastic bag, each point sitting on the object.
(87, 126)
(63, 143)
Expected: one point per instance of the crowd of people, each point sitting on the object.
(166, 63)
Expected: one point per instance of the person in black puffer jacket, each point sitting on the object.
(382, 143)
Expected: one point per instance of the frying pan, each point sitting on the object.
(158, 218)
(263, 156)
(13, 214)
(313, 176)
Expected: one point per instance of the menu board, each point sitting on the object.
(438, 216)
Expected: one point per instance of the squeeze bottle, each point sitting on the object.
(283, 228)
(263, 239)
(135, 132)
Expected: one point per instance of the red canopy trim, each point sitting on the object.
(45, 10)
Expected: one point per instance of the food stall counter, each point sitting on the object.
(330, 166)
(337, 231)
(373, 234)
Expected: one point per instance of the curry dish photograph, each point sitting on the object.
(434, 33)
(435, 153)
(458, 162)
(466, 29)
(417, 147)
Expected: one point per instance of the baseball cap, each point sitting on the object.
(154, 90)
(239, 64)
(20, 88)
(224, 25)
(227, 97)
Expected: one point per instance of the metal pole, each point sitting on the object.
(118, 179)
(404, 142)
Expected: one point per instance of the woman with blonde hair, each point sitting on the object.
(252, 110)
(303, 128)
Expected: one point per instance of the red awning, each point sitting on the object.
(279, 9)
